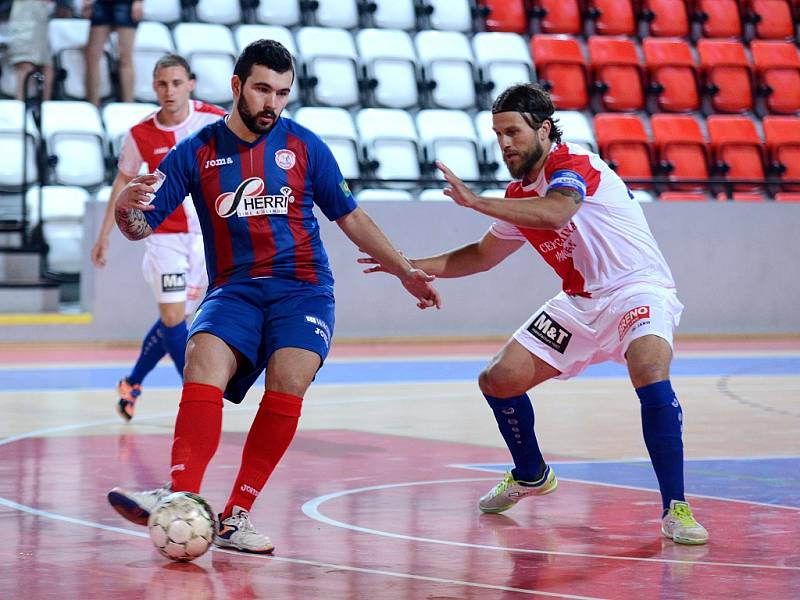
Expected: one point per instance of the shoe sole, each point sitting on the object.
(125, 416)
(221, 543)
(127, 508)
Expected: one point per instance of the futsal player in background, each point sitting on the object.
(174, 263)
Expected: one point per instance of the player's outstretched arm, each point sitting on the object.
(364, 233)
(100, 247)
(131, 202)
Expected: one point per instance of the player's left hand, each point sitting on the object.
(418, 284)
(458, 190)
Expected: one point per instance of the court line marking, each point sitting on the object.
(484, 586)
(311, 510)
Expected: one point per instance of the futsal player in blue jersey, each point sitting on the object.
(254, 178)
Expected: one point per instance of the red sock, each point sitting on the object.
(269, 437)
(197, 432)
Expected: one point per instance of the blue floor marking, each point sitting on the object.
(766, 480)
(386, 371)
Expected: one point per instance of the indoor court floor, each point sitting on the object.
(377, 496)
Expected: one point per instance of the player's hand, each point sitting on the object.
(418, 284)
(137, 194)
(458, 190)
(377, 267)
(99, 252)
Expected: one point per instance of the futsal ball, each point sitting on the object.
(182, 526)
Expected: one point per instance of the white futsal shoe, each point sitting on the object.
(137, 506)
(510, 491)
(237, 532)
(680, 526)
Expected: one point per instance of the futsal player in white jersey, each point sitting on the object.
(174, 261)
(618, 300)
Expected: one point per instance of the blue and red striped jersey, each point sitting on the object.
(255, 200)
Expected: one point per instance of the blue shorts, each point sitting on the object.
(113, 14)
(259, 316)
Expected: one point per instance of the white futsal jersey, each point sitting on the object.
(607, 244)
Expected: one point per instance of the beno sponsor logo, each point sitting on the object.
(632, 318)
(547, 329)
(173, 282)
(249, 200)
(285, 159)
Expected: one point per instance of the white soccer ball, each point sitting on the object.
(182, 526)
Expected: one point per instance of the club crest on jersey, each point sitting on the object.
(285, 159)
(249, 200)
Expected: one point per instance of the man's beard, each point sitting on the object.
(251, 121)
(528, 160)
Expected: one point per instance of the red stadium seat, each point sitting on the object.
(624, 144)
(772, 19)
(680, 148)
(671, 69)
(612, 17)
(726, 73)
(561, 66)
(777, 68)
(782, 136)
(667, 18)
(683, 197)
(506, 15)
(720, 18)
(617, 73)
(557, 16)
(737, 148)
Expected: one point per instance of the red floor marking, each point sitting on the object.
(70, 475)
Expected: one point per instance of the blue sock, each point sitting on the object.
(515, 419)
(175, 343)
(662, 425)
(152, 351)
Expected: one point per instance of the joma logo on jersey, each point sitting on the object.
(173, 282)
(631, 319)
(218, 162)
(545, 328)
(249, 200)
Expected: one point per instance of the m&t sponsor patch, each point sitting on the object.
(547, 329)
(632, 319)
(173, 282)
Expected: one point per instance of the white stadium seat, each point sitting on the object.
(390, 139)
(337, 13)
(68, 39)
(11, 145)
(164, 11)
(394, 14)
(283, 12)
(63, 212)
(450, 15)
(329, 54)
(576, 127)
(74, 133)
(449, 136)
(389, 58)
(383, 195)
(211, 52)
(245, 34)
(447, 59)
(223, 12)
(434, 195)
(491, 149)
(504, 59)
(119, 117)
(335, 126)
(153, 40)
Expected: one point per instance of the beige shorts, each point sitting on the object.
(28, 34)
(174, 266)
(570, 333)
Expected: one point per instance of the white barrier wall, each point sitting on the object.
(736, 266)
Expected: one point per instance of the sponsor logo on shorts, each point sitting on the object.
(547, 329)
(285, 159)
(249, 200)
(320, 328)
(173, 282)
(634, 318)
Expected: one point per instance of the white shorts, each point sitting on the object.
(174, 266)
(570, 332)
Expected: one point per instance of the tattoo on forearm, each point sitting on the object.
(575, 196)
(132, 224)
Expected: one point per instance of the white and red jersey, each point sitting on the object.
(149, 141)
(607, 244)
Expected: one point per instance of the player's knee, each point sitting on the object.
(500, 382)
(647, 373)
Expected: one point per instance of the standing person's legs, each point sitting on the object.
(98, 35)
(125, 38)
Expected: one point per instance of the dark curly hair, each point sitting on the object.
(533, 103)
(267, 53)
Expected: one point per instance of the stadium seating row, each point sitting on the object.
(741, 19)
